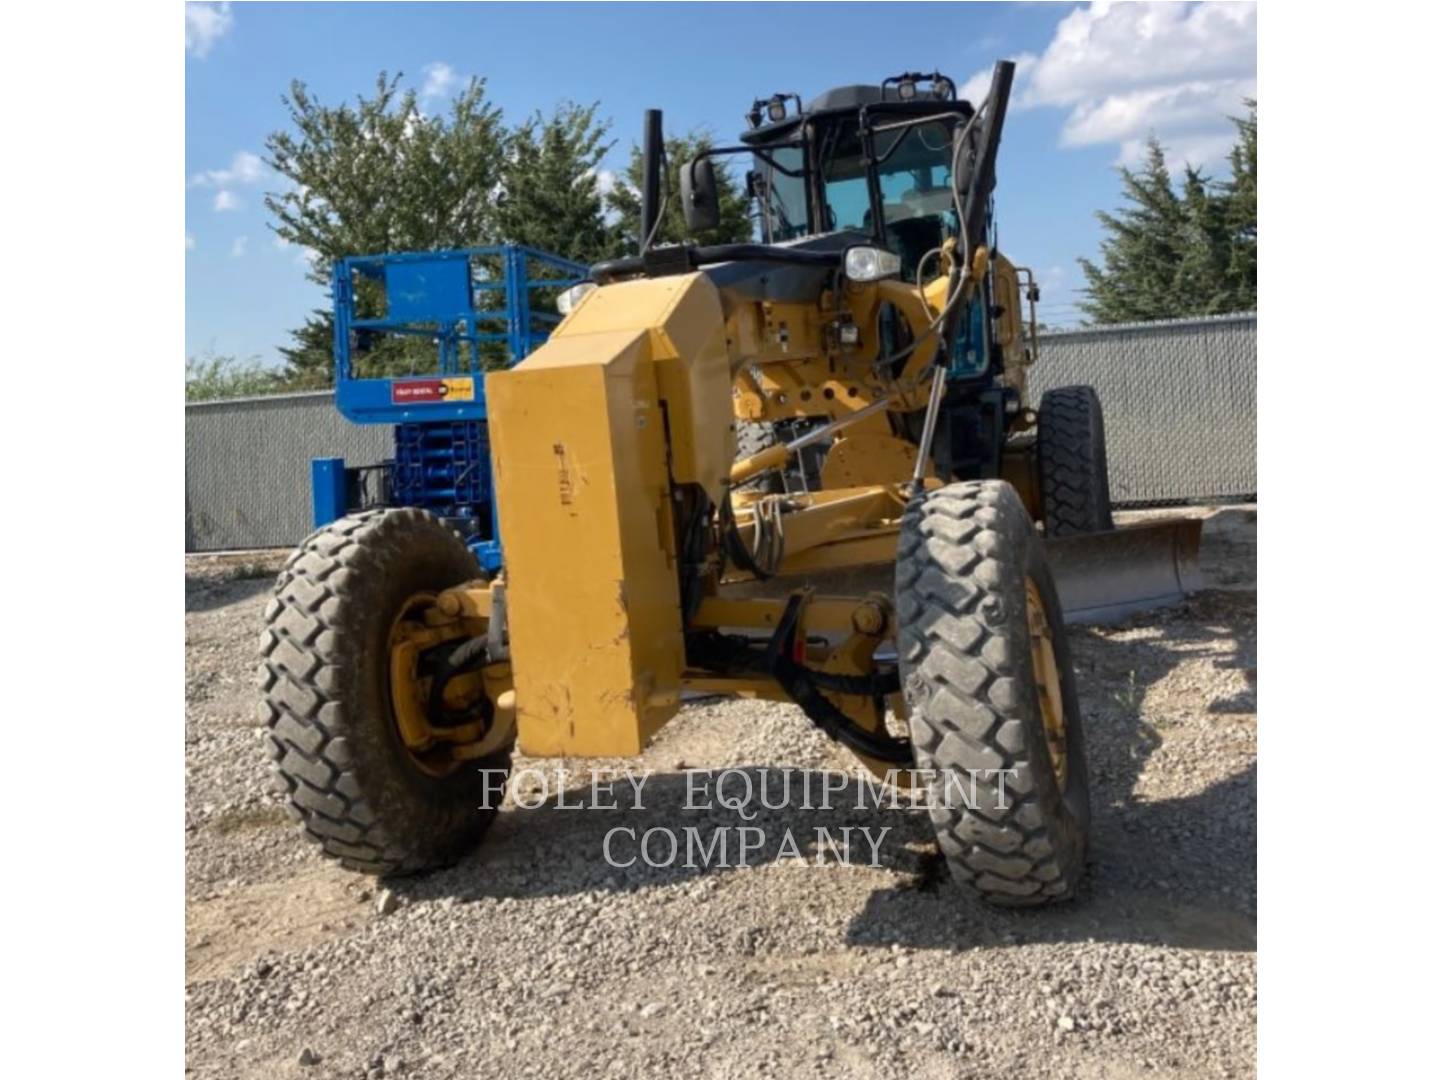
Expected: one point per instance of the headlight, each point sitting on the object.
(570, 299)
(870, 263)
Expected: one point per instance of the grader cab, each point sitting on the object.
(874, 317)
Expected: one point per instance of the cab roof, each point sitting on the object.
(849, 99)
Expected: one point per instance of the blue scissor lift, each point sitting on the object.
(464, 303)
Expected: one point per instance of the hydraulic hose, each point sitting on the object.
(469, 656)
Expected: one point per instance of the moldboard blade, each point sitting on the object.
(1106, 576)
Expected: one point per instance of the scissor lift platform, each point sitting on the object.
(460, 313)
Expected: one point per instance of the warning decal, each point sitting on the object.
(431, 391)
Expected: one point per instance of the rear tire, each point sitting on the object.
(967, 552)
(338, 754)
(1074, 471)
(752, 437)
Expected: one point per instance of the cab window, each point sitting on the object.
(844, 178)
(786, 214)
(915, 177)
(914, 181)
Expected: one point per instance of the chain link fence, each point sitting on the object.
(1179, 402)
(247, 466)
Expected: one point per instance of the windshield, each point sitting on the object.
(846, 180)
(914, 181)
(915, 178)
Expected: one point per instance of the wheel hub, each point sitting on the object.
(435, 750)
(1047, 681)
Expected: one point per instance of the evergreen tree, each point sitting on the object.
(1240, 213)
(624, 200)
(309, 358)
(1167, 255)
(1142, 251)
(1202, 284)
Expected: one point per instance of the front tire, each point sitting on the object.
(988, 704)
(338, 755)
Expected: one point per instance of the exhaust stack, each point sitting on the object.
(653, 144)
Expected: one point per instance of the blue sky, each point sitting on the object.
(1094, 80)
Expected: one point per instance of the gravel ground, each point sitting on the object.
(534, 957)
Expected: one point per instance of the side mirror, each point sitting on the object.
(698, 195)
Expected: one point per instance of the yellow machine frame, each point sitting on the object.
(635, 396)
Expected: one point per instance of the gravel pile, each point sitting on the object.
(534, 957)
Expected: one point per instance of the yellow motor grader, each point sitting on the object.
(875, 318)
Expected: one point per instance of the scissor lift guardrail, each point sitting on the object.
(477, 310)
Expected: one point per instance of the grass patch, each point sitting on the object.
(251, 817)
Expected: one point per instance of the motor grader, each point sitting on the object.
(874, 309)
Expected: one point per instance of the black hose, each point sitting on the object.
(803, 686)
(800, 684)
(739, 553)
(469, 656)
(876, 685)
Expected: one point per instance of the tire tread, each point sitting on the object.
(957, 644)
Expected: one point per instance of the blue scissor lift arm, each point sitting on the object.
(442, 455)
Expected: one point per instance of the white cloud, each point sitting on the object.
(205, 24)
(1109, 48)
(606, 181)
(245, 168)
(1183, 109)
(189, 241)
(225, 200)
(975, 88)
(281, 244)
(1126, 70)
(238, 248)
(441, 80)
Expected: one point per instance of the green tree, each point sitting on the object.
(552, 199)
(210, 377)
(1144, 245)
(624, 199)
(309, 358)
(1167, 255)
(1240, 213)
(1202, 285)
(380, 176)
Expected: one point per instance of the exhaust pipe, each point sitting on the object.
(653, 154)
(1107, 576)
